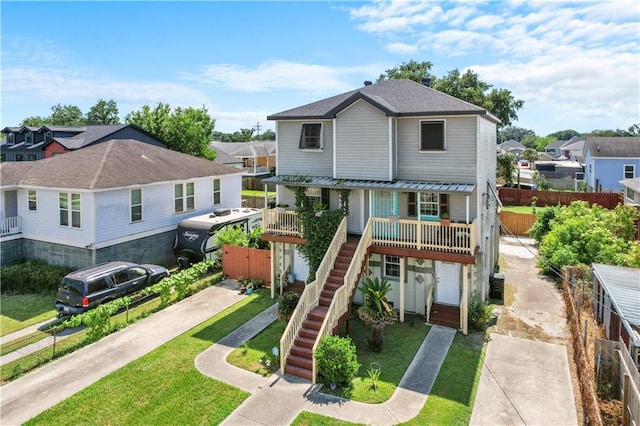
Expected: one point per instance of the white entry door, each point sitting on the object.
(300, 267)
(448, 283)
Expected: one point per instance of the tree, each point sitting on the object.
(103, 112)
(376, 311)
(470, 88)
(506, 167)
(515, 133)
(267, 135)
(188, 130)
(563, 135)
(66, 115)
(35, 121)
(541, 143)
(633, 130)
(530, 154)
(412, 70)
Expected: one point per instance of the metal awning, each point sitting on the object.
(396, 185)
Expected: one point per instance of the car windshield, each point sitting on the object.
(71, 286)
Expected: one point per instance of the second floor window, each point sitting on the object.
(216, 192)
(311, 136)
(28, 138)
(69, 209)
(184, 198)
(136, 205)
(629, 171)
(33, 200)
(11, 138)
(432, 135)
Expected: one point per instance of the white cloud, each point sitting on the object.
(485, 22)
(401, 48)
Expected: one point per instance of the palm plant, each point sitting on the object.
(376, 311)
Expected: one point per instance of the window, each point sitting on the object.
(69, 209)
(630, 194)
(216, 192)
(318, 195)
(391, 266)
(47, 136)
(135, 196)
(33, 200)
(19, 157)
(311, 136)
(28, 138)
(120, 277)
(31, 157)
(432, 135)
(629, 171)
(98, 285)
(429, 204)
(184, 197)
(11, 138)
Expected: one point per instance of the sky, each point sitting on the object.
(575, 64)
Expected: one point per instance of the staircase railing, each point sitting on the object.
(342, 297)
(311, 295)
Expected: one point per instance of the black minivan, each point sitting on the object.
(87, 288)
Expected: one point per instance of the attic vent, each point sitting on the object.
(367, 83)
(427, 81)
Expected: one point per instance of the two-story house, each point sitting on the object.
(28, 143)
(409, 155)
(115, 200)
(608, 160)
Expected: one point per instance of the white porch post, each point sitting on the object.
(464, 305)
(403, 261)
(467, 205)
(274, 283)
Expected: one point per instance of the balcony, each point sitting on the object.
(457, 238)
(11, 226)
(256, 171)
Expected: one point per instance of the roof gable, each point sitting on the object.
(393, 97)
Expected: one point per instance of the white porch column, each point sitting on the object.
(464, 305)
(274, 256)
(403, 261)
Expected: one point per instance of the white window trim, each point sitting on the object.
(131, 206)
(70, 210)
(29, 191)
(321, 137)
(444, 136)
(184, 197)
(213, 191)
(624, 171)
(384, 266)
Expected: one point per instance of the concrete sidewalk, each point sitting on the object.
(292, 395)
(28, 396)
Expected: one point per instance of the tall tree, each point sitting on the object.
(412, 70)
(564, 135)
(470, 88)
(514, 133)
(66, 115)
(35, 121)
(103, 112)
(506, 167)
(188, 130)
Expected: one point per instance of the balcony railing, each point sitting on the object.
(254, 171)
(413, 234)
(11, 225)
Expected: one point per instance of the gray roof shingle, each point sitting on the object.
(394, 97)
(112, 164)
(613, 147)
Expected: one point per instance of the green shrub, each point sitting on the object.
(32, 277)
(337, 360)
(480, 315)
(287, 304)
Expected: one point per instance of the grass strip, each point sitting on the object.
(163, 387)
(18, 311)
(306, 418)
(254, 353)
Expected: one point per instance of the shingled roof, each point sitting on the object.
(613, 147)
(112, 164)
(394, 97)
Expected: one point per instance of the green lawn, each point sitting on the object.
(163, 387)
(254, 354)
(254, 193)
(22, 310)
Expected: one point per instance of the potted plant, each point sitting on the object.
(445, 219)
(250, 287)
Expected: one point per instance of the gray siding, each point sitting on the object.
(293, 161)
(131, 133)
(456, 164)
(362, 145)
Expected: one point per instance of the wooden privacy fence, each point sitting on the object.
(516, 223)
(524, 197)
(246, 262)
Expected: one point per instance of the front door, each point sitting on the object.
(448, 283)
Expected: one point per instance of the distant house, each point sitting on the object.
(115, 200)
(512, 146)
(28, 143)
(567, 150)
(616, 294)
(608, 160)
(631, 192)
(258, 158)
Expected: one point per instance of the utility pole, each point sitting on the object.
(258, 127)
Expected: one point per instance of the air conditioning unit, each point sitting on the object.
(579, 175)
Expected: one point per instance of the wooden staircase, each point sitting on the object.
(300, 360)
(446, 315)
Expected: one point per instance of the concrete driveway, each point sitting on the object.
(526, 378)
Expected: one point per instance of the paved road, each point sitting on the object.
(526, 378)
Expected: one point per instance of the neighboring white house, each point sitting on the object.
(409, 155)
(120, 199)
(631, 192)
